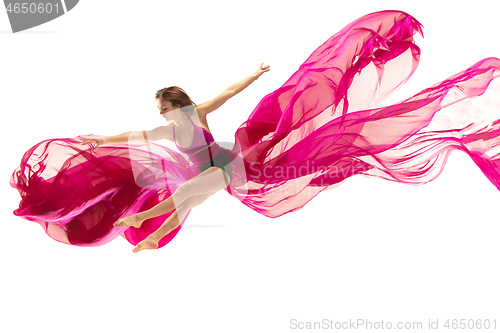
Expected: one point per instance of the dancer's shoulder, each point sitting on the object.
(161, 132)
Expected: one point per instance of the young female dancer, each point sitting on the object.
(189, 130)
(322, 126)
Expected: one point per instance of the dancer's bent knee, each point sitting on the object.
(193, 201)
(181, 194)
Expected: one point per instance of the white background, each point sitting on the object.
(369, 249)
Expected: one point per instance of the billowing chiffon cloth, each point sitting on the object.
(319, 128)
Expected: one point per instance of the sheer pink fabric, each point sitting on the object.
(321, 127)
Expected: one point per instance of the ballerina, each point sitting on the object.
(319, 128)
(216, 174)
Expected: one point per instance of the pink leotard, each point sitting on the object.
(201, 139)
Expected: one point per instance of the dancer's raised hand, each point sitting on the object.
(261, 69)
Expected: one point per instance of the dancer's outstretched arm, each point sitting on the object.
(158, 133)
(161, 132)
(207, 107)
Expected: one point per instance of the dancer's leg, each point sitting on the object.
(208, 182)
(172, 222)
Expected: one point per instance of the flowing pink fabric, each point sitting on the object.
(323, 125)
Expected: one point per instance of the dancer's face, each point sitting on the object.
(167, 110)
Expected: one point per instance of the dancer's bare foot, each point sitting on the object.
(148, 243)
(132, 220)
